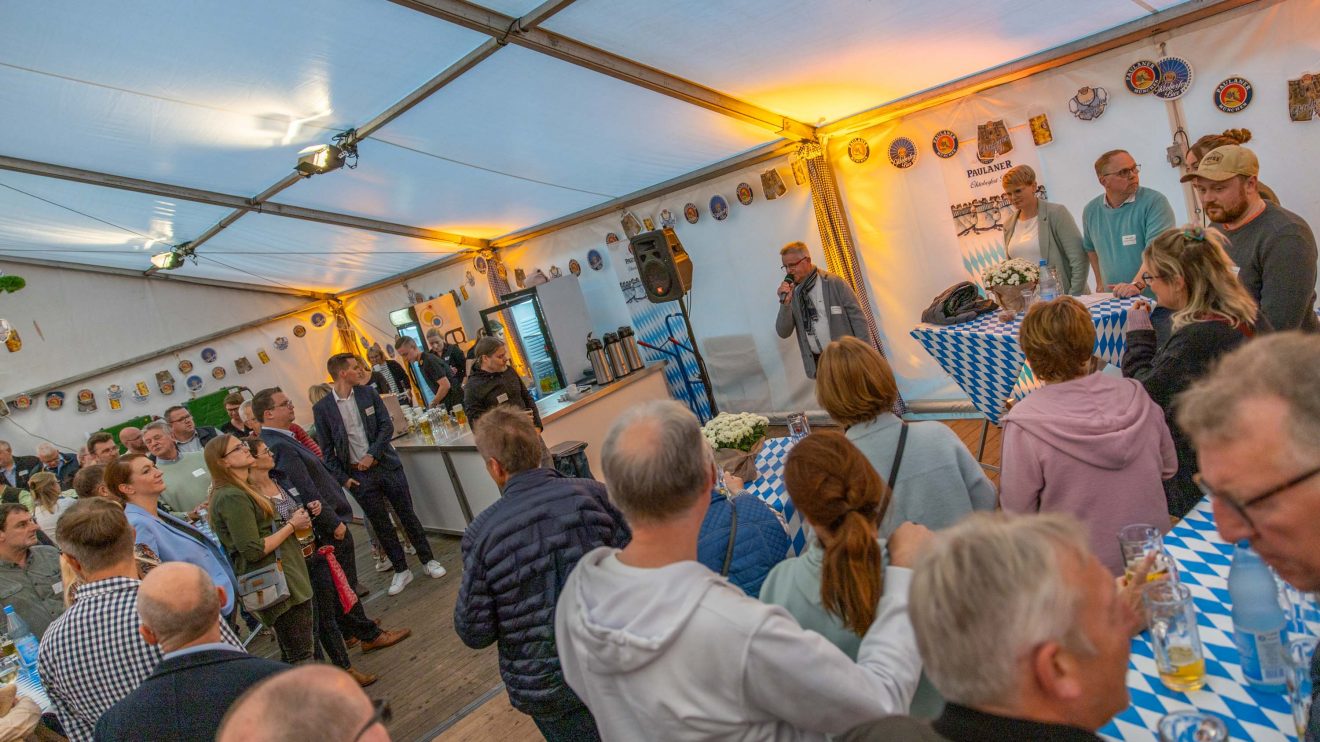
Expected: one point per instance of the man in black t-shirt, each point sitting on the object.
(435, 372)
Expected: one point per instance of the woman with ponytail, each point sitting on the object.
(835, 587)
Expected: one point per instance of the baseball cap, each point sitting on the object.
(1225, 162)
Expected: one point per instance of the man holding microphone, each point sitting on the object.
(818, 306)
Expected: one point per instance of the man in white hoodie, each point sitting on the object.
(660, 647)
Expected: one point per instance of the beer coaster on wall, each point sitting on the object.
(218, 373)
(1143, 77)
(945, 144)
(772, 184)
(903, 153)
(595, 260)
(555, 272)
(299, 331)
(1175, 78)
(1041, 134)
(208, 355)
(54, 400)
(281, 343)
(859, 151)
(719, 208)
(86, 401)
(1233, 95)
(194, 383)
(575, 267)
(480, 264)
(185, 366)
(666, 218)
(319, 319)
(744, 194)
(690, 213)
(611, 238)
(1089, 103)
(21, 402)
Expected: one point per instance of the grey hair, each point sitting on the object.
(184, 615)
(246, 406)
(656, 461)
(44, 448)
(5, 445)
(989, 590)
(160, 425)
(1281, 365)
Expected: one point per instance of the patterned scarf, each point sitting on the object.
(805, 303)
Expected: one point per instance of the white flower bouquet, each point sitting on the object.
(736, 438)
(1007, 281)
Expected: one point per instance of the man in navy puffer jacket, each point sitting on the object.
(517, 555)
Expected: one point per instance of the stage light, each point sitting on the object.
(322, 158)
(167, 261)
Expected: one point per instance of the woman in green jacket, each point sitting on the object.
(244, 521)
(1043, 230)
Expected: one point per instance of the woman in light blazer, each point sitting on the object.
(1040, 229)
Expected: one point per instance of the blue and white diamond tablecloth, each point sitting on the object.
(985, 360)
(769, 486)
(1203, 561)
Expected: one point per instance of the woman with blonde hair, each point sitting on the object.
(1192, 276)
(836, 588)
(1042, 230)
(1089, 444)
(244, 521)
(48, 502)
(934, 479)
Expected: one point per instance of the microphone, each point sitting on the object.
(788, 279)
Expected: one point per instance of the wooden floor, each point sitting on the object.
(439, 689)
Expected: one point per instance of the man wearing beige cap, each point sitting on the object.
(1274, 248)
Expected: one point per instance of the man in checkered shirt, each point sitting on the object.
(93, 655)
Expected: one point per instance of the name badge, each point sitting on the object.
(836, 310)
(293, 491)
(1129, 239)
(502, 398)
(199, 472)
(370, 410)
(58, 588)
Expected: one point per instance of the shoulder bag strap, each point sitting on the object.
(733, 534)
(898, 456)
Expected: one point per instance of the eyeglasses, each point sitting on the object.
(234, 450)
(1126, 172)
(180, 419)
(1240, 506)
(381, 714)
(790, 266)
(285, 403)
(1146, 278)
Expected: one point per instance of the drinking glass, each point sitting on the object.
(8, 669)
(1298, 679)
(1028, 298)
(1140, 539)
(1192, 726)
(798, 427)
(1177, 643)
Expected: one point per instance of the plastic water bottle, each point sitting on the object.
(1047, 289)
(1258, 620)
(23, 638)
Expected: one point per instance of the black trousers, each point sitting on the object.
(295, 633)
(332, 623)
(378, 486)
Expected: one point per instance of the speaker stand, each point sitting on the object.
(701, 363)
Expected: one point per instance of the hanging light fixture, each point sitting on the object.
(322, 158)
(168, 261)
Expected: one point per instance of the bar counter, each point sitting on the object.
(448, 479)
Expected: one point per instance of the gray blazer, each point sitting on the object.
(1060, 245)
(846, 320)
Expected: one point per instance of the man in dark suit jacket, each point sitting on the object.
(305, 475)
(62, 465)
(198, 678)
(15, 470)
(356, 431)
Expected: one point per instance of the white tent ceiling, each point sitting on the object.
(222, 95)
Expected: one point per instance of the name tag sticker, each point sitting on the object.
(293, 491)
(199, 472)
(1129, 239)
(370, 410)
(502, 398)
(836, 310)
(58, 588)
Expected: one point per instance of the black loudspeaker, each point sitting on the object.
(662, 265)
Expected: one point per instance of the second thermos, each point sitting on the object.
(631, 354)
(614, 352)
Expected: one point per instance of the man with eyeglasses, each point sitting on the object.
(187, 435)
(1119, 223)
(819, 307)
(1274, 248)
(316, 702)
(1255, 423)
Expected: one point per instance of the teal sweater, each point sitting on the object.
(794, 584)
(1119, 235)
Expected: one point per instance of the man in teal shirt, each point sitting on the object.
(1118, 224)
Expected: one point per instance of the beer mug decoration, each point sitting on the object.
(1174, 636)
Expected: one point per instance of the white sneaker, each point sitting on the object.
(400, 581)
(409, 548)
(434, 569)
(383, 563)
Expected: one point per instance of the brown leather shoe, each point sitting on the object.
(386, 639)
(353, 641)
(363, 679)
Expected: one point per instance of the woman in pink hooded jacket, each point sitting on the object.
(1089, 444)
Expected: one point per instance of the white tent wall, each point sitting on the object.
(294, 369)
(901, 219)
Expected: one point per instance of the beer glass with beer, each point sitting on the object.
(1173, 633)
(1139, 540)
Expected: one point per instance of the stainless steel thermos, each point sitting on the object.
(600, 364)
(614, 352)
(631, 354)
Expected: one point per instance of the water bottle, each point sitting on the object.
(23, 638)
(1258, 620)
(1047, 289)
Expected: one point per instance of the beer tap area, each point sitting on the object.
(581, 380)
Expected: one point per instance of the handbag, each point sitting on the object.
(264, 587)
(347, 597)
